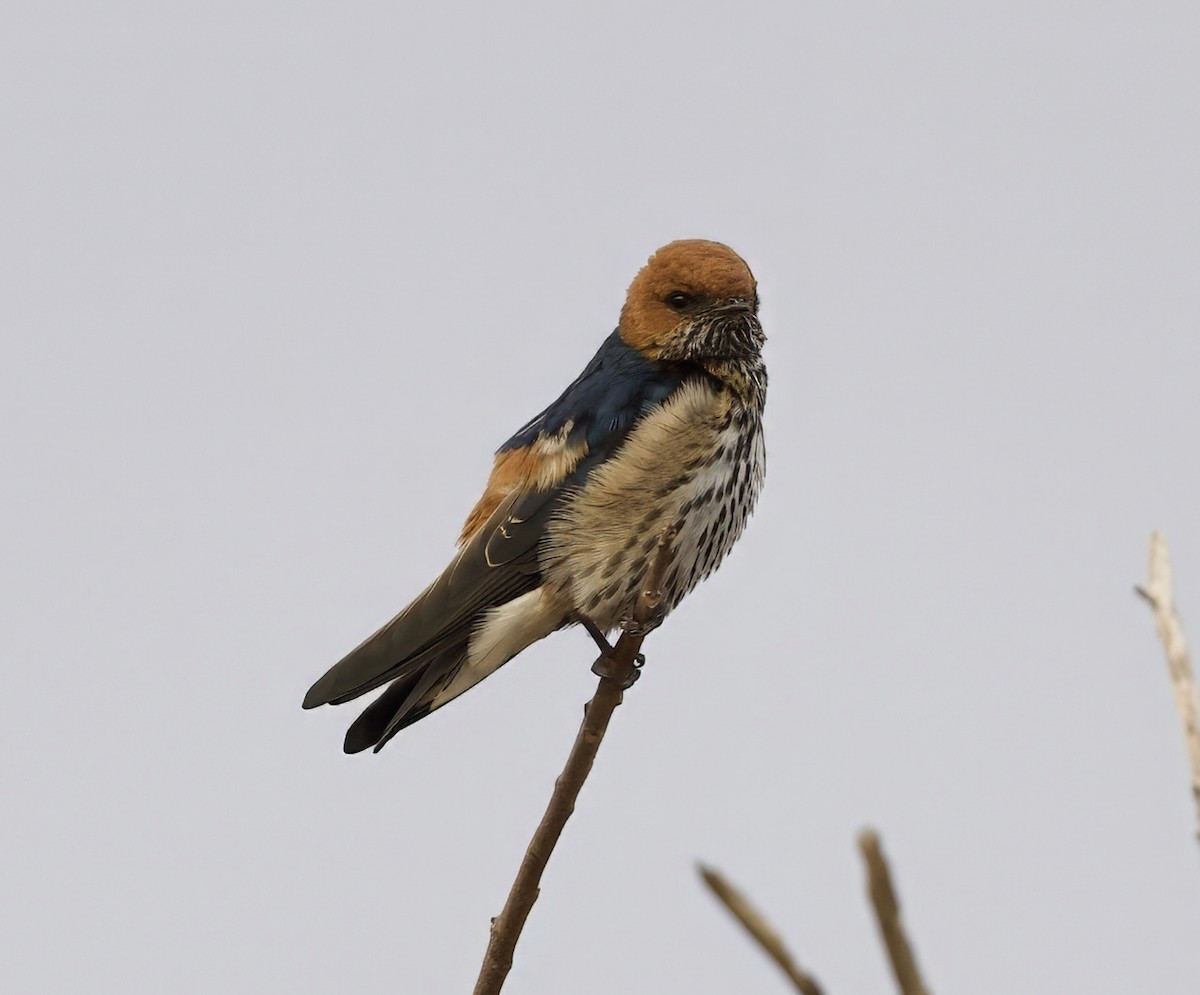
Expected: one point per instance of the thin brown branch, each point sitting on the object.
(1160, 593)
(621, 670)
(887, 914)
(758, 927)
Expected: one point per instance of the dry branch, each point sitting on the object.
(759, 929)
(1160, 593)
(620, 670)
(887, 914)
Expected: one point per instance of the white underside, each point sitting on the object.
(504, 632)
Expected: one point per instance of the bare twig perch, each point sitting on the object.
(1160, 593)
(887, 913)
(760, 929)
(621, 669)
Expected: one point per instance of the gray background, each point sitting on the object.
(276, 279)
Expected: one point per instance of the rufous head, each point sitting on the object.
(693, 300)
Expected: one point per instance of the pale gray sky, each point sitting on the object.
(275, 279)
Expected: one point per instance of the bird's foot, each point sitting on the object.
(605, 666)
(635, 628)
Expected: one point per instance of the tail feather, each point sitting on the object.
(440, 618)
(425, 697)
(423, 651)
(365, 669)
(367, 729)
(433, 675)
(405, 701)
(441, 679)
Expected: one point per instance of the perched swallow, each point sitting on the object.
(662, 429)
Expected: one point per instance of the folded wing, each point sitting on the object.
(425, 652)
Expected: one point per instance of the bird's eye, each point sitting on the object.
(678, 300)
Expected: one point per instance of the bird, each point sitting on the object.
(661, 434)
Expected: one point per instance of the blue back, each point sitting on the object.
(616, 388)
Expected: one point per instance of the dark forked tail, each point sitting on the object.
(406, 700)
(422, 653)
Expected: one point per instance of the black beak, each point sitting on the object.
(737, 305)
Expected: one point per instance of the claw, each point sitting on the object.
(606, 667)
(636, 628)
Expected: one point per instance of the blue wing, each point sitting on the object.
(546, 458)
(616, 388)
(422, 649)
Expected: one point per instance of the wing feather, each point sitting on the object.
(423, 648)
(442, 615)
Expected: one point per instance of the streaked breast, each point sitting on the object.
(696, 463)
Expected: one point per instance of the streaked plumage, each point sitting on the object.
(663, 428)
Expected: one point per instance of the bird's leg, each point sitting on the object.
(604, 666)
(596, 633)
